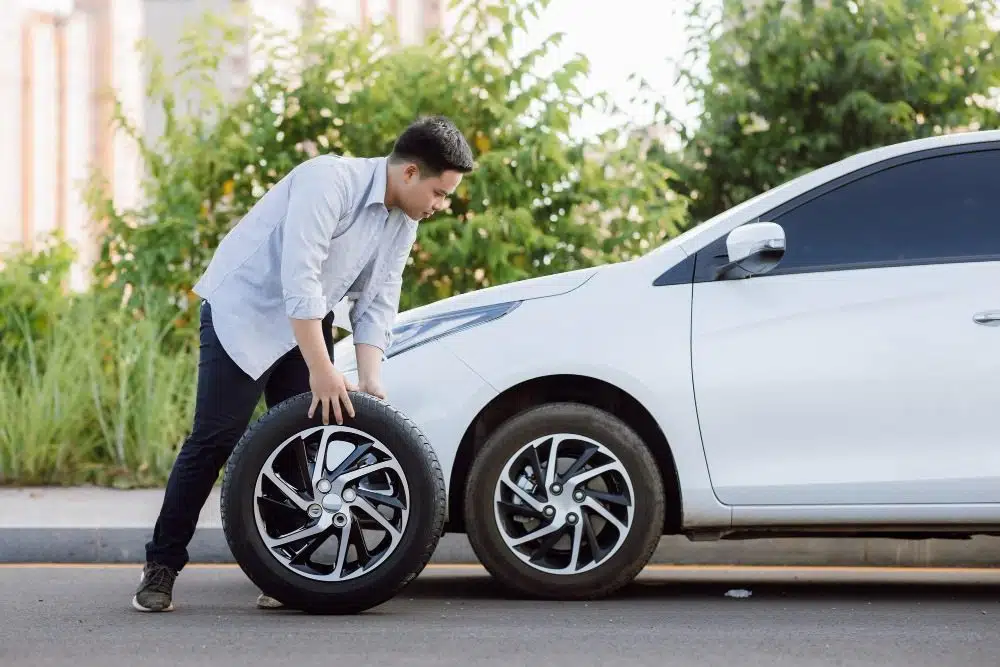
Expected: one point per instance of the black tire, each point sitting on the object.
(642, 537)
(417, 541)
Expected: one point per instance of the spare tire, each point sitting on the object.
(333, 519)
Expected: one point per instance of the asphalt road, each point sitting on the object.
(80, 617)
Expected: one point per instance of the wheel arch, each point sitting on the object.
(573, 388)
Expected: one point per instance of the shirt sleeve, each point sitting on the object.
(374, 327)
(317, 201)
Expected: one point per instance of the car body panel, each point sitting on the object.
(633, 336)
(619, 325)
(439, 393)
(850, 387)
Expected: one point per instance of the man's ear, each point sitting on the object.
(411, 172)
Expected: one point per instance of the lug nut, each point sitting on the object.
(349, 495)
(323, 486)
(339, 520)
(571, 519)
(549, 511)
(578, 496)
(315, 511)
(556, 489)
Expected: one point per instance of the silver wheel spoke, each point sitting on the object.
(369, 509)
(297, 535)
(286, 489)
(542, 532)
(342, 548)
(321, 456)
(367, 470)
(577, 544)
(523, 495)
(550, 469)
(594, 472)
(382, 498)
(608, 516)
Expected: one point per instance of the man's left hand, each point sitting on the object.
(372, 386)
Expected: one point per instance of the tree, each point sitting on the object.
(787, 86)
(539, 201)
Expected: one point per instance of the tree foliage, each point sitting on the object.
(786, 86)
(540, 201)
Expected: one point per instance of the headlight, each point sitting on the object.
(413, 334)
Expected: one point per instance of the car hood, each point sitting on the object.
(522, 290)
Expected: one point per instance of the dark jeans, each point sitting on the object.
(225, 402)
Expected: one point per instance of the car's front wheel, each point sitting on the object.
(564, 501)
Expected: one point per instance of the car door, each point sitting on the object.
(865, 368)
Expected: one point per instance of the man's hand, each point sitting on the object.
(369, 369)
(328, 385)
(329, 389)
(372, 386)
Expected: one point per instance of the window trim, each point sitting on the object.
(713, 254)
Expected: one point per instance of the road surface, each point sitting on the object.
(79, 616)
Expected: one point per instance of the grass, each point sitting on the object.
(100, 397)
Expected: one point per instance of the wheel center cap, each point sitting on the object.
(564, 504)
(332, 502)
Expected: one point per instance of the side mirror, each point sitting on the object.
(755, 248)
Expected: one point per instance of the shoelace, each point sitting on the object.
(160, 579)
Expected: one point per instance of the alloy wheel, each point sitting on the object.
(564, 504)
(331, 503)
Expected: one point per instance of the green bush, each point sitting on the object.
(540, 202)
(97, 397)
(32, 292)
(787, 86)
(100, 387)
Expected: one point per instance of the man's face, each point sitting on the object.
(423, 196)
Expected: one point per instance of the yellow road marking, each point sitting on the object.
(749, 569)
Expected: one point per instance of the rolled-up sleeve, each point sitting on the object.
(317, 201)
(374, 326)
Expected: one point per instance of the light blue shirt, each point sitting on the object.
(322, 233)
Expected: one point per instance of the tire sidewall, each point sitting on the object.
(648, 500)
(426, 503)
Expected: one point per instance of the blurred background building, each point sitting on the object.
(57, 59)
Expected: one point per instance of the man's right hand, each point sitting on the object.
(329, 389)
(328, 385)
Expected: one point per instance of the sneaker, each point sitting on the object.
(268, 602)
(155, 589)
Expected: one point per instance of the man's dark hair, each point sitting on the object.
(436, 145)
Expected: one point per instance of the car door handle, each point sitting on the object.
(989, 318)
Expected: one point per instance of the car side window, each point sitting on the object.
(944, 208)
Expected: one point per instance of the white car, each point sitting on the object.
(823, 359)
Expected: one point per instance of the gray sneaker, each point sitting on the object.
(155, 589)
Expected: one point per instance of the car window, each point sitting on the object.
(938, 209)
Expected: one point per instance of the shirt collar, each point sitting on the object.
(377, 193)
(379, 182)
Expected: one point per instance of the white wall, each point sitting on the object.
(410, 20)
(79, 132)
(10, 122)
(44, 137)
(164, 24)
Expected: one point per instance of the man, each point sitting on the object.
(333, 227)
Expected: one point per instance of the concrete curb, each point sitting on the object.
(89, 525)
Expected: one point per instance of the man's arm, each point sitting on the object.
(316, 203)
(372, 330)
(317, 200)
